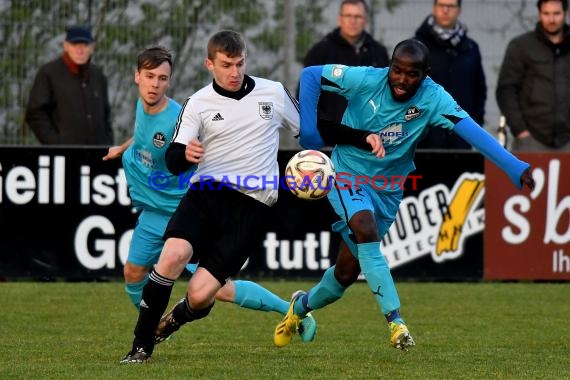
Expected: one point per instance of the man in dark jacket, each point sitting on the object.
(455, 65)
(350, 45)
(69, 103)
(534, 82)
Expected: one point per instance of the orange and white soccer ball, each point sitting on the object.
(310, 174)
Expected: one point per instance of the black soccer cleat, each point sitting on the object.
(167, 325)
(137, 355)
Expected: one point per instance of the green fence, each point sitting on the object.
(279, 33)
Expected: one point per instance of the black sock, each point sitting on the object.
(155, 297)
(183, 313)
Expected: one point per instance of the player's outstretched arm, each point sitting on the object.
(518, 171)
(117, 150)
(309, 92)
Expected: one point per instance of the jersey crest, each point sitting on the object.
(412, 113)
(159, 140)
(266, 110)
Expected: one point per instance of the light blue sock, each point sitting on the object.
(134, 291)
(377, 273)
(327, 291)
(254, 296)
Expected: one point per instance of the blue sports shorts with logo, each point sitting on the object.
(348, 200)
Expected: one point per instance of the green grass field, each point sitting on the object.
(462, 331)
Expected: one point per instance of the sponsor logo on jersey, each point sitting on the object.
(144, 157)
(392, 133)
(159, 140)
(412, 113)
(217, 117)
(266, 110)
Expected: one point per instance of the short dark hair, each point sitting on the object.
(413, 47)
(458, 3)
(228, 42)
(564, 4)
(354, 2)
(153, 57)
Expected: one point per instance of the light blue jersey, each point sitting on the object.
(151, 186)
(153, 190)
(401, 125)
(363, 179)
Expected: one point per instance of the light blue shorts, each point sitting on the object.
(348, 201)
(146, 243)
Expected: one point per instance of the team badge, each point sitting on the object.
(266, 110)
(159, 140)
(412, 113)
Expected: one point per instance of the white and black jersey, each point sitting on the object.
(240, 134)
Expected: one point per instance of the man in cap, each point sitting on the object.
(69, 103)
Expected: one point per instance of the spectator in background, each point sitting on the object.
(532, 89)
(456, 65)
(69, 102)
(349, 44)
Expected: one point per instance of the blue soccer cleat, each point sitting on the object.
(307, 328)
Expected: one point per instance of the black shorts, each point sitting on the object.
(223, 226)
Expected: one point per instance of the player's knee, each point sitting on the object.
(134, 273)
(175, 256)
(200, 297)
(364, 227)
(346, 275)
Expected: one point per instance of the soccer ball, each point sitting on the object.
(310, 174)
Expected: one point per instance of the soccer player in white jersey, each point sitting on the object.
(395, 107)
(143, 158)
(231, 129)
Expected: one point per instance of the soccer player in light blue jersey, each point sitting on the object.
(389, 111)
(156, 193)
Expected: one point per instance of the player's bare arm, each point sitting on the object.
(117, 150)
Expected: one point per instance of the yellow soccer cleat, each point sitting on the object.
(400, 337)
(289, 324)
